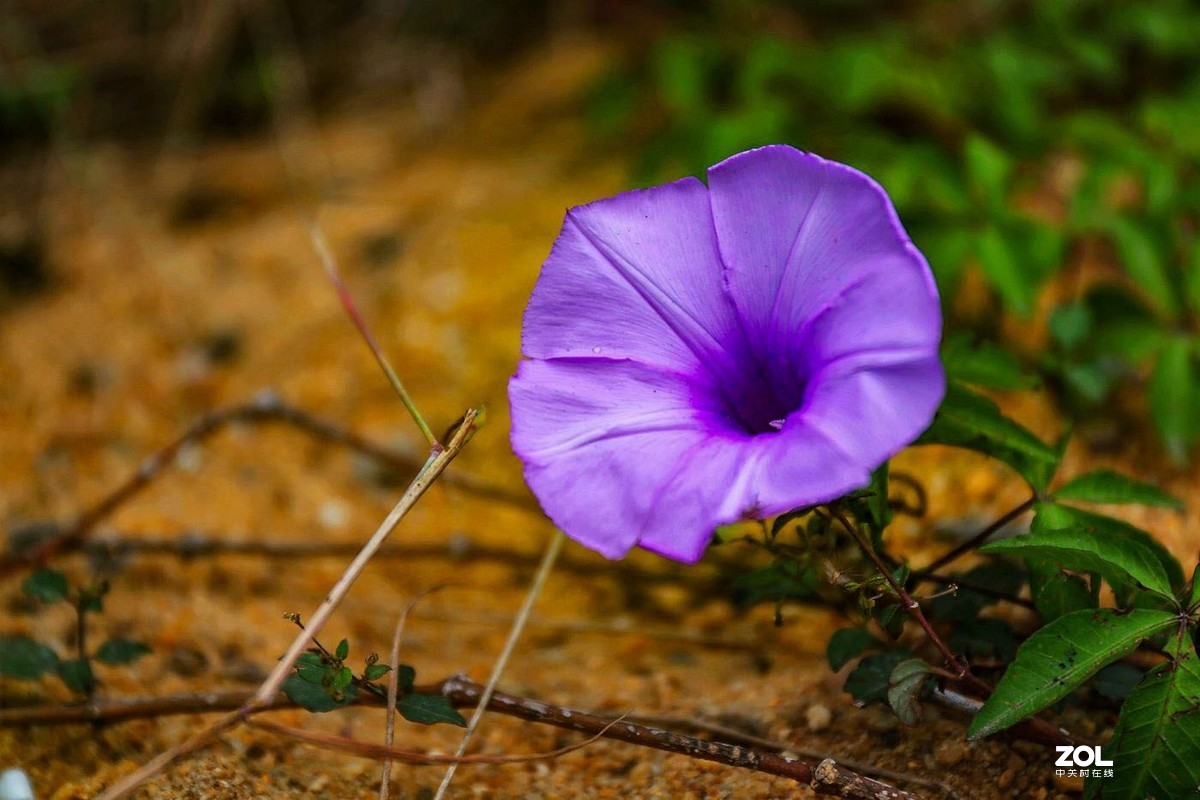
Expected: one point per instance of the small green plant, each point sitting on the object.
(25, 658)
(323, 681)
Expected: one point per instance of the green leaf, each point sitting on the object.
(343, 650)
(341, 679)
(965, 604)
(1120, 562)
(1156, 743)
(982, 364)
(783, 579)
(119, 650)
(1056, 515)
(1143, 259)
(406, 676)
(1055, 592)
(1171, 395)
(879, 512)
(999, 262)
(374, 672)
(315, 697)
(1061, 656)
(77, 675)
(989, 638)
(905, 685)
(1117, 681)
(868, 682)
(970, 420)
(1070, 325)
(45, 584)
(25, 659)
(429, 709)
(1105, 486)
(312, 674)
(845, 644)
(988, 170)
(1194, 595)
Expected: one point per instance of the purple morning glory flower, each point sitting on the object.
(701, 354)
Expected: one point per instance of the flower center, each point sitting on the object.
(759, 400)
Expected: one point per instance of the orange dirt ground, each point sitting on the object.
(440, 236)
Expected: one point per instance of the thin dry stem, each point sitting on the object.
(514, 634)
(265, 696)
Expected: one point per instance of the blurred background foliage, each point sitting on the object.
(1045, 156)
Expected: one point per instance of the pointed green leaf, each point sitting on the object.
(45, 584)
(1077, 550)
(868, 682)
(77, 675)
(982, 364)
(1057, 515)
(845, 644)
(1145, 262)
(1171, 393)
(315, 697)
(970, 420)
(988, 170)
(1106, 486)
(429, 709)
(1194, 597)
(904, 689)
(376, 671)
(343, 650)
(1061, 656)
(120, 650)
(1000, 264)
(1155, 747)
(25, 659)
(1055, 592)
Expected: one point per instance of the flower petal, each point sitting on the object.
(797, 233)
(637, 276)
(872, 410)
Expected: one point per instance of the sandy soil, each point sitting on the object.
(188, 282)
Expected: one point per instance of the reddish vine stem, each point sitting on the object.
(826, 777)
(267, 407)
(975, 541)
(911, 606)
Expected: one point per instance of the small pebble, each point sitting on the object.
(818, 718)
(950, 753)
(1006, 778)
(14, 785)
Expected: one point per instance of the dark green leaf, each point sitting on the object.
(987, 638)
(1143, 259)
(1171, 395)
(1105, 486)
(1157, 738)
(121, 651)
(310, 659)
(406, 676)
(374, 672)
(845, 644)
(988, 170)
(868, 682)
(879, 512)
(1002, 266)
(1070, 325)
(77, 675)
(965, 604)
(1194, 596)
(1059, 657)
(45, 584)
(1056, 515)
(982, 364)
(343, 650)
(1116, 681)
(311, 674)
(1057, 593)
(966, 419)
(25, 659)
(341, 679)
(783, 579)
(315, 697)
(429, 709)
(905, 685)
(1120, 562)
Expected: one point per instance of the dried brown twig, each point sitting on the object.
(826, 777)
